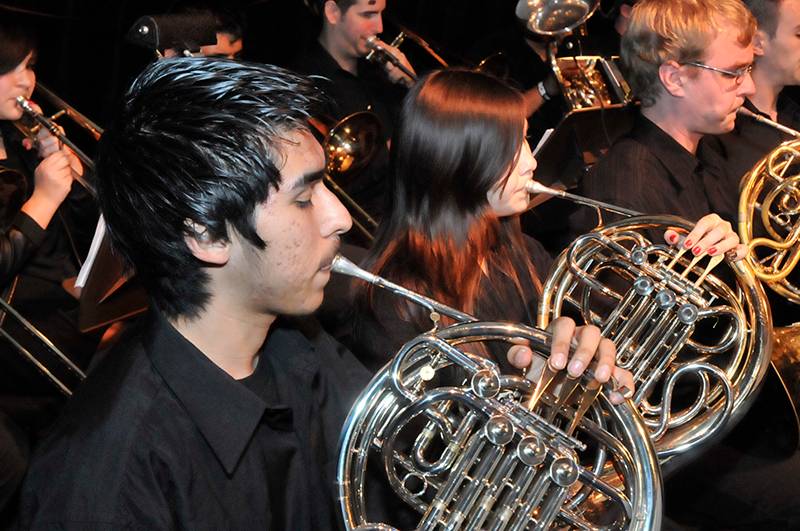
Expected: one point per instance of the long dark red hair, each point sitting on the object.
(458, 136)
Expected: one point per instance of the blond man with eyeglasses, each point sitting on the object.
(690, 63)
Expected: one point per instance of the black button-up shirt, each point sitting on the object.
(734, 154)
(647, 171)
(370, 90)
(161, 438)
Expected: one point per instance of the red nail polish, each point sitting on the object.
(673, 238)
(712, 251)
(687, 244)
(696, 250)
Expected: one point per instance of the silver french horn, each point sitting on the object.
(466, 447)
(695, 332)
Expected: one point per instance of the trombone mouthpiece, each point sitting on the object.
(24, 103)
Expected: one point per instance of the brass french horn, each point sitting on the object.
(696, 333)
(466, 447)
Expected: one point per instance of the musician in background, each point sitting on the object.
(353, 84)
(777, 65)
(35, 255)
(689, 63)
(689, 86)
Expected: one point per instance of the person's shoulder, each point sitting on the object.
(106, 442)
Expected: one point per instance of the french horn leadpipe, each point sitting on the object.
(535, 187)
(343, 266)
(53, 128)
(772, 123)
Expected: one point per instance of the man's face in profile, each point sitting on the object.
(300, 223)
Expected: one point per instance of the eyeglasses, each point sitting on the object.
(737, 75)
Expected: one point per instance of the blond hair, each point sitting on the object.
(677, 30)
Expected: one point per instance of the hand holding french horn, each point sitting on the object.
(589, 345)
(711, 235)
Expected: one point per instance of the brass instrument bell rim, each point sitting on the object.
(539, 10)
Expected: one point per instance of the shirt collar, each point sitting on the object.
(226, 412)
(680, 163)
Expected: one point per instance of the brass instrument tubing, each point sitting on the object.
(51, 126)
(764, 120)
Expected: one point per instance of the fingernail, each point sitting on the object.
(626, 393)
(673, 238)
(558, 360)
(616, 398)
(576, 367)
(712, 251)
(696, 250)
(687, 243)
(603, 373)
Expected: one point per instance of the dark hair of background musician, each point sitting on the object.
(766, 13)
(467, 127)
(198, 143)
(16, 42)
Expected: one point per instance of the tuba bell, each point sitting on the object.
(698, 339)
(466, 447)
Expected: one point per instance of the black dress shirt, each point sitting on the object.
(370, 90)
(161, 438)
(734, 154)
(647, 171)
(380, 331)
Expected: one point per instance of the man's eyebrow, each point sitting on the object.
(308, 179)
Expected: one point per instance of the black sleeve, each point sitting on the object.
(17, 245)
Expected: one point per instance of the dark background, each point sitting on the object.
(83, 55)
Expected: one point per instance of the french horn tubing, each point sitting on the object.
(466, 447)
(769, 213)
(696, 333)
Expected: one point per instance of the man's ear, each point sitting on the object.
(204, 247)
(672, 78)
(760, 42)
(331, 12)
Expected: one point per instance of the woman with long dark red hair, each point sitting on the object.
(460, 165)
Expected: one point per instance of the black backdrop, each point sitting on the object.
(83, 55)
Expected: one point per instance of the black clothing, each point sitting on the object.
(378, 333)
(161, 438)
(734, 154)
(45, 259)
(647, 171)
(346, 93)
(737, 152)
(370, 90)
(650, 172)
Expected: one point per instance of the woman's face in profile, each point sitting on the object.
(16, 82)
(510, 197)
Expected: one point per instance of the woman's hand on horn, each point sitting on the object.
(711, 235)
